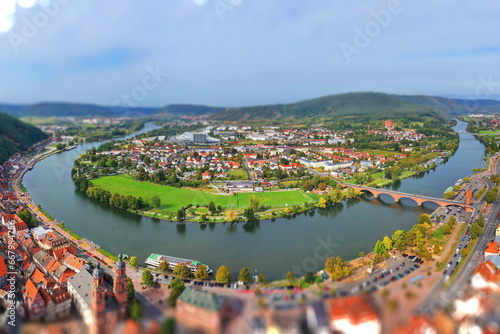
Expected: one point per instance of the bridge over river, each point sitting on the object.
(419, 199)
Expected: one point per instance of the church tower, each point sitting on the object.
(468, 197)
(98, 299)
(120, 286)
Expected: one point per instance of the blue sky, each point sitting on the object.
(245, 52)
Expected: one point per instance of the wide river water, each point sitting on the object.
(300, 243)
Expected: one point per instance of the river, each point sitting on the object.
(300, 243)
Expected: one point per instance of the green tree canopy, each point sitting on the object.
(337, 268)
(202, 273)
(182, 270)
(223, 275)
(245, 275)
(133, 261)
(164, 266)
(147, 278)
(155, 201)
(261, 278)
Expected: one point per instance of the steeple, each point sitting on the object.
(98, 291)
(120, 284)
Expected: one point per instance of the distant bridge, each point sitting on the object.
(478, 134)
(419, 199)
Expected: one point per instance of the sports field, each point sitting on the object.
(172, 199)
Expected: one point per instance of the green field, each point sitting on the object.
(172, 199)
(238, 174)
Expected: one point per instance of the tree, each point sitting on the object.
(449, 194)
(491, 195)
(155, 201)
(261, 278)
(164, 266)
(254, 203)
(201, 273)
(387, 242)
(181, 214)
(245, 275)
(133, 261)
(130, 289)
(135, 309)
(335, 196)
(399, 239)
(26, 216)
(223, 275)
(337, 268)
(177, 284)
(424, 218)
(231, 215)
(322, 186)
(362, 254)
(182, 270)
(322, 202)
(212, 208)
(290, 276)
(176, 287)
(379, 248)
(147, 278)
(309, 277)
(351, 193)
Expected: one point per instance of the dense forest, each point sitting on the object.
(16, 136)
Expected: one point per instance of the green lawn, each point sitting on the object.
(489, 132)
(173, 199)
(238, 174)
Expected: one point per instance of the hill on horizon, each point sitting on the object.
(362, 105)
(365, 105)
(66, 109)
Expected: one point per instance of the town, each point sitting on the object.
(57, 275)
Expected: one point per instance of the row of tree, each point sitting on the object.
(122, 202)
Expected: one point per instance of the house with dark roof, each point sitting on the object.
(207, 312)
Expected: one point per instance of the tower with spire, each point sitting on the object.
(120, 286)
(98, 299)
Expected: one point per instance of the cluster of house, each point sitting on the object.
(43, 267)
(476, 311)
(216, 161)
(487, 274)
(199, 310)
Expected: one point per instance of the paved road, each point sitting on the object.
(439, 298)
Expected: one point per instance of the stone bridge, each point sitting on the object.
(419, 199)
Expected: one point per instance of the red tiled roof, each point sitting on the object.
(3, 267)
(488, 272)
(355, 308)
(493, 248)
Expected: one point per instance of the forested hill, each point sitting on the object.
(16, 136)
(361, 106)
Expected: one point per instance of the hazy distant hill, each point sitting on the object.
(360, 105)
(59, 109)
(187, 110)
(444, 105)
(480, 106)
(16, 136)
